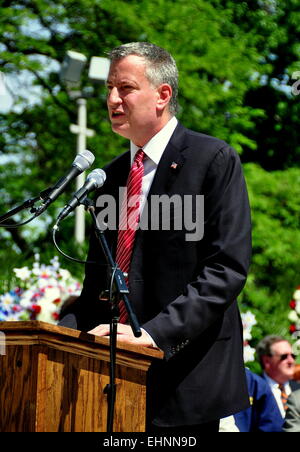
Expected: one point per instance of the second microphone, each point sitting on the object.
(93, 181)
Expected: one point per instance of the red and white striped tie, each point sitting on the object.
(129, 219)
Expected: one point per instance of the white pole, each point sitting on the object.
(82, 132)
(81, 146)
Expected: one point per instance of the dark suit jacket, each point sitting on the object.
(184, 292)
(292, 418)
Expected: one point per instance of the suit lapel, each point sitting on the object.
(167, 171)
(170, 163)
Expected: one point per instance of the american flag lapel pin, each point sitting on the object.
(174, 165)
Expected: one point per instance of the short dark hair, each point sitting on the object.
(160, 65)
(263, 348)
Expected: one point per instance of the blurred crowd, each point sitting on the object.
(274, 395)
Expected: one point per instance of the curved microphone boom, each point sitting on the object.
(81, 163)
(94, 180)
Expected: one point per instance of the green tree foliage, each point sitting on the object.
(235, 61)
(274, 198)
(274, 27)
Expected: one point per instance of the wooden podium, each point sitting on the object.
(52, 380)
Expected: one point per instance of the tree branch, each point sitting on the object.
(17, 238)
(49, 89)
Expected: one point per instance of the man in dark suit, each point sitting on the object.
(183, 283)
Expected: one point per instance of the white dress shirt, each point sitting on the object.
(154, 149)
(277, 393)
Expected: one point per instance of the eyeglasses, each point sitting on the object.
(285, 355)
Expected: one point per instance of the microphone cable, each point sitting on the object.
(74, 259)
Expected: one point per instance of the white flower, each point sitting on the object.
(51, 293)
(248, 353)
(45, 316)
(25, 303)
(42, 283)
(22, 273)
(248, 319)
(55, 263)
(293, 317)
(65, 274)
(296, 295)
(47, 305)
(25, 300)
(7, 300)
(247, 334)
(48, 309)
(297, 307)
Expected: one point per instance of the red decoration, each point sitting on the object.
(36, 308)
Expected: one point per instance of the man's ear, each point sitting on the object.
(164, 95)
(265, 361)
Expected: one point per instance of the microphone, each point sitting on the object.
(82, 161)
(93, 181)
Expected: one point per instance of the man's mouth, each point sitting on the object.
(117, 114)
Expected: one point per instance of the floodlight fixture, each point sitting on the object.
(99, 68)
(70, 74)
(72, 66)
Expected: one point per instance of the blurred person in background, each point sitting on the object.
(277, 359)
(263, 415)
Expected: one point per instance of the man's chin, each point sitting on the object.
(121, 129)
(290, 375)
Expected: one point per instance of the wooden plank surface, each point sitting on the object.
(53, 379)
(17, 389)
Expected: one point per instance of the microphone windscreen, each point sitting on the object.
(84, 160)
(98, 176)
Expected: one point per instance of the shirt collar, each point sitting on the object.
(156, 146)
(274, 383)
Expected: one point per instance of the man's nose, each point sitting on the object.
(113, 97)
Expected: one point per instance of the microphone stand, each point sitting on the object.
(120, 292)
(26, 204)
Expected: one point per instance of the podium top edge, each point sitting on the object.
(39, 327)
